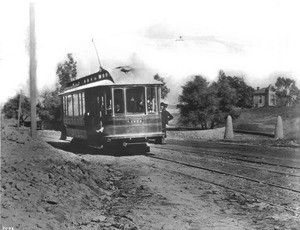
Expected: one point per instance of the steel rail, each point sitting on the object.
(232, 157)
(237, 159)
(226, 173)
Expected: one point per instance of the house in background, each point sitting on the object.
(264, 97)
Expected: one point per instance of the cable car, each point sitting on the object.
(120, 108)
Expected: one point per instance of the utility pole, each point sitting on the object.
(32, 72)
(19, 111)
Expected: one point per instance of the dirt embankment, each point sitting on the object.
(47, 188)
(43, 187)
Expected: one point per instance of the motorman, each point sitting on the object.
(165, 117)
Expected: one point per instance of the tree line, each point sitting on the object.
(201, 104)
(208, 104)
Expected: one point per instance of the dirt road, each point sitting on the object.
(50, 184)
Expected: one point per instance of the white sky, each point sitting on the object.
(256, 38)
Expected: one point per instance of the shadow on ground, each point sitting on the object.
(108, 151)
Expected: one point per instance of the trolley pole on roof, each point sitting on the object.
(32, 72)
(100, 67)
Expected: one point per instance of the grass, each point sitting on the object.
(264, 120)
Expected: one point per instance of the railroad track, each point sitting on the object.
(239, 177)
(260, 167)
(237, 156)
(226, 173)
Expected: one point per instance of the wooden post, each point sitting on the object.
(19, 111)
(32, 72)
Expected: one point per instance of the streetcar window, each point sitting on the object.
(118, 101)
(76, 107)
(83, 104)
(135, 100)
(65, 105)
(79, 104)
(152, 99)
(108, 102)
(70, 107)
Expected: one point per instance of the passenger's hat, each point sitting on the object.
(163, 104)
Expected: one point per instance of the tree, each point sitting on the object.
(226, 93)
(11, 107)
(286, 91)
(207, 104)
(66, 71)
(51, 105)
(244, 92)
(197, 103)
(50, 111)
(164, 90)
(227, 97)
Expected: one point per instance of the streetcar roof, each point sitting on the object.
(120, 76)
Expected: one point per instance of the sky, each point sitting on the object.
(258, 40)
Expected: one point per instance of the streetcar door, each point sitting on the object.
(100, 109)
(95, 98)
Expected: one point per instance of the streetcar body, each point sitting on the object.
(121, 107)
